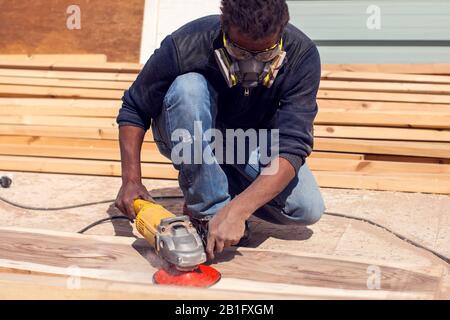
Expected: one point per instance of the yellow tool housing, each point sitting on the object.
(148, 218)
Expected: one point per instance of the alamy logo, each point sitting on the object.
(212, 146)
(374, 279)
(374, 20)
(74, 19)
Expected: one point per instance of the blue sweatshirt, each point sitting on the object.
(289, 105)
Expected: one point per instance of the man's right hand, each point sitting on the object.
(129, 192)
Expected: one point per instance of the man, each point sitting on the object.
(247, 68)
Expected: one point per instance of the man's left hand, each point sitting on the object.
(225, 229)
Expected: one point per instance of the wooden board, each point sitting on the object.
(39, 286)
(383, 106)
(408, 68)
(56, 58)
(71, 75)
(41, 82)
(386, 157)
(87, 167)
(377, 167)
(86, 122)
(370, 86)
(405, 148)
(116, 67)
(59, 107)
(32, 91)
(375, 113)
(73, 148)
(383, 77)
(380, 133)
(113, 28)
(383, 96)
(109, 259)
(426, 183)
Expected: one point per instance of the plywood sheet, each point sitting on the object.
(107, 27)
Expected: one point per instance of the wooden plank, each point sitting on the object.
(57, 121)
(89, 110)
(381, 96)
(56, 58)
(334, 116)
(100, 259)
(31, 91)
(383, 106)
(425, 183)
(381, 133)
(407, 68)
(42, 82)
(63, 132)
(73, 148)
(71, 75)
(332, 155)
(386, 157)
(404, 148)
(370, 86)
(376, 167)
(383, 77)
(85, 167)
(98, 67)
(38, 286)
(59, 107)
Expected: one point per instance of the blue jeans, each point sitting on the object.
(209, 187)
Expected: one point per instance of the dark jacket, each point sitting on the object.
(289, 105)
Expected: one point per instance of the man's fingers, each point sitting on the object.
(130, 210)
(230, 243)
(210, 246)
(219, 246)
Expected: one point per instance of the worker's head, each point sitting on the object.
(254, 24)
(252, 38)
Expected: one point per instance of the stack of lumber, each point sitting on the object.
(374, 130)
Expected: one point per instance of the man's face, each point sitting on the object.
(250, 44)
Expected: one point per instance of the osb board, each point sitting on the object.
(39, 27)
(250, 270)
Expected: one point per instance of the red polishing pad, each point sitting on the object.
(202, 277)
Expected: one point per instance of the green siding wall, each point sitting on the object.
(409, 31)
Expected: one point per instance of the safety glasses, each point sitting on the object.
(240, 53)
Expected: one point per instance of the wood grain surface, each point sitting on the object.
(132, 260)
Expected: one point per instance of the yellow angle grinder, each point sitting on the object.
(175, 240)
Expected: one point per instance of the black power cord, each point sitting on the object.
(88, 204)
(120, 217)
(96, 223)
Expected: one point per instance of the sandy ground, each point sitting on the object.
(423, 218)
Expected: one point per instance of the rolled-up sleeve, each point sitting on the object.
(143, 100)
(298, 109)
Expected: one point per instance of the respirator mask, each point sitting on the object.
(250, 69)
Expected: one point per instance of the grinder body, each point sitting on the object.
(174, 238)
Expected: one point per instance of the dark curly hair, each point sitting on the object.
(257, 18)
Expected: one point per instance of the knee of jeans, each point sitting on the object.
(188, 91)
(308, 211)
